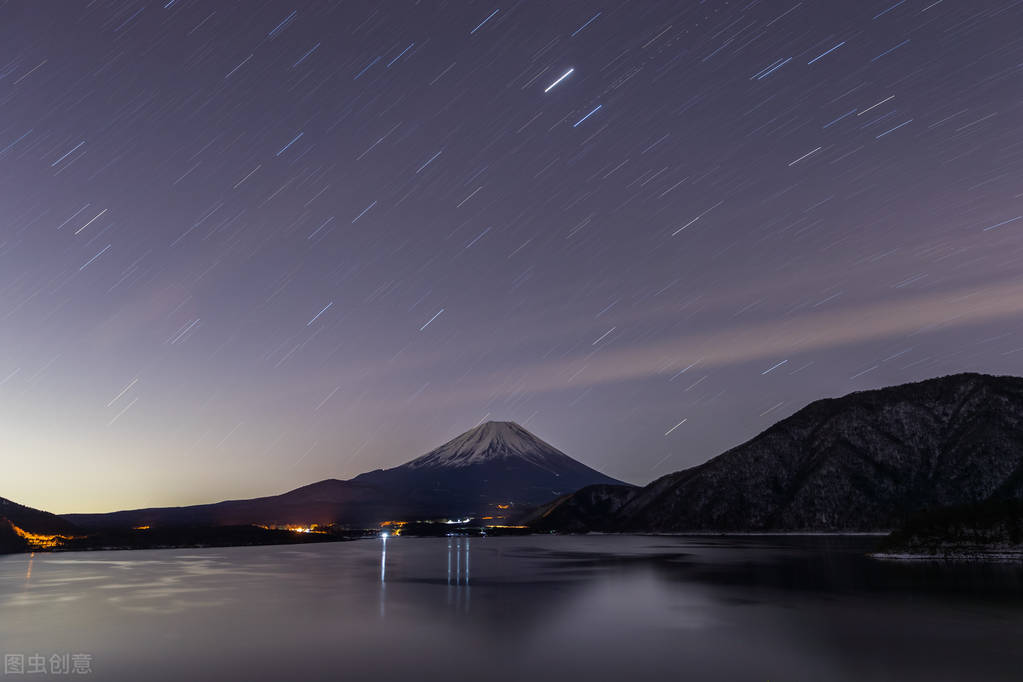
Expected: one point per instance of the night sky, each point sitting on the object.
(245, 246)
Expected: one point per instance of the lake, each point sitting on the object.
(596, 607)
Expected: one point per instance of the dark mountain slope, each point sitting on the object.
(862, 462)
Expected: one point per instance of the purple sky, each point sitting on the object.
(246, 246)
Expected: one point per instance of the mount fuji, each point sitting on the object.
(493, 463)
(493, 467)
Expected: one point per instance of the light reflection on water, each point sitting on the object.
(459, 592)
(594, 607)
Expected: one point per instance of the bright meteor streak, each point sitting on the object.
(676, 426)
(431, 320)
(587, 116)
(561, 78)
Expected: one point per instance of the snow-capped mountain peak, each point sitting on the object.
(492, 441)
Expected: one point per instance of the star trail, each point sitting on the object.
(247, 246)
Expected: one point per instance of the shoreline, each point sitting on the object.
(369, 535)
(955, 556)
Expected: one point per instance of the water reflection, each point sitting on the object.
(458, 548)
(383, 574)
(459, 552)
(614, 607)
(458, 591)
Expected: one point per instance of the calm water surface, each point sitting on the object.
(528, 608)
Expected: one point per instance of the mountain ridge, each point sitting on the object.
(861, 462)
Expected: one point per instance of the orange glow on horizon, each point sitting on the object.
(311, 528)
(293, 527)
(398, 526)
(38, 540)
